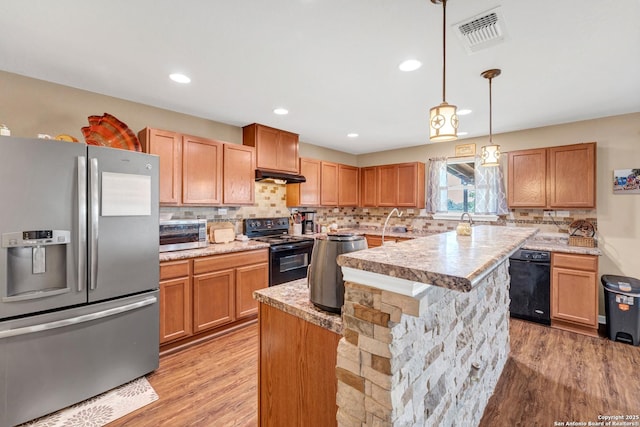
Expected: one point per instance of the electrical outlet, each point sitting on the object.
(423, 212)
(222, 211)
(410, 211)
(336, 210)
(563, 213)
(365, 210)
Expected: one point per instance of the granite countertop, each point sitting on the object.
(557, 242)
(213, 249)
(445, 259)
(293, 298)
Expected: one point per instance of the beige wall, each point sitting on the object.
(31, 106)
(618, 140)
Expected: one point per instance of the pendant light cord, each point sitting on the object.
(444, 49)
(490, 115)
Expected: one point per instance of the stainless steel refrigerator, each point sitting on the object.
(78, 273)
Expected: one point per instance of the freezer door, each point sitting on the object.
(42, 225)
(53, 360)
(123, 223)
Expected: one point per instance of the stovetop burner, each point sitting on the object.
(282, 239)
(272, 231)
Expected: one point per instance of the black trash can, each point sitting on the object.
(622, 308)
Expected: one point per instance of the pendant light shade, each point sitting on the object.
(490, 154)
(443, 120)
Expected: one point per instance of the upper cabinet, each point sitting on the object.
(348, 185)
(328, 184)
(401, 185)
(527, 178)
(239, 166)
(572, 176)
(200, 171)
(306, 193)
(553, 177)
(276, 149)
(369, 186)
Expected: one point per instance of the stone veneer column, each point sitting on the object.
(430, 360)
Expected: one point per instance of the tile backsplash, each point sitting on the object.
(270, 201)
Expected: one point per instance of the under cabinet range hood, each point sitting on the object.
(279, 177)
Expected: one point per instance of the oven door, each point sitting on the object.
(289, 262)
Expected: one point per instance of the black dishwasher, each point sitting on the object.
(530, 289)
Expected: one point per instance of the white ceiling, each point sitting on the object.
(333, 63)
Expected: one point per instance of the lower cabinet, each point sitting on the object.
(297, 382)
(574, 293)
(373, 240)
(175, 300)
(203, 296)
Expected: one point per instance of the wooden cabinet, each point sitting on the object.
(306, 193)
(191, 169)
(369, 186)
(297, 383)
(527, 178)
(553, 177)
(207, 295)
(175, 300)
(201, 171)
(213, 299)
(401, 185)
(275, 149)
(373, 240)
(574, 293)
(168, 146)
(328, 184)
(348, 188)
(572, 175)
(239, 171)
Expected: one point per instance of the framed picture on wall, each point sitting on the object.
(465, 150)
(626, 181)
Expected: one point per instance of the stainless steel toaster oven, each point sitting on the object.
(180, 234)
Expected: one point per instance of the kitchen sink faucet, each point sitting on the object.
(387, 221)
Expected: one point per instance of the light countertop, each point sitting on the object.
(293, 298)
(446, 259)
(213, 249)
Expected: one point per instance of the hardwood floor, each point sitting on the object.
(558, 376)
(551, 376)
(212, 384)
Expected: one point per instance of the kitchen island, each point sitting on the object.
(424, 328)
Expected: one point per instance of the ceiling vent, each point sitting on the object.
(481, 31)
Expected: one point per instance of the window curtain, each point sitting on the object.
(437, 185)
(490, 192)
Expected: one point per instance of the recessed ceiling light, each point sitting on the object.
(464, 112)
(463, 133)
(281, 111)
(179, 78)
(410, 65)
(352, 135)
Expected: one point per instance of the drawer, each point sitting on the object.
(575, 262)
(173, 269)
(233, 260)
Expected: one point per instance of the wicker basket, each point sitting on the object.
(585, 242)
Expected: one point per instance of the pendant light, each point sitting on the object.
(443, 120)
(490, 154)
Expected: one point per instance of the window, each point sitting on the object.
(459, 185)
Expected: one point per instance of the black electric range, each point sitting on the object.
(289, 256)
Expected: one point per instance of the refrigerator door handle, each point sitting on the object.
(82, 222)
(77, 320)
(94, 213)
